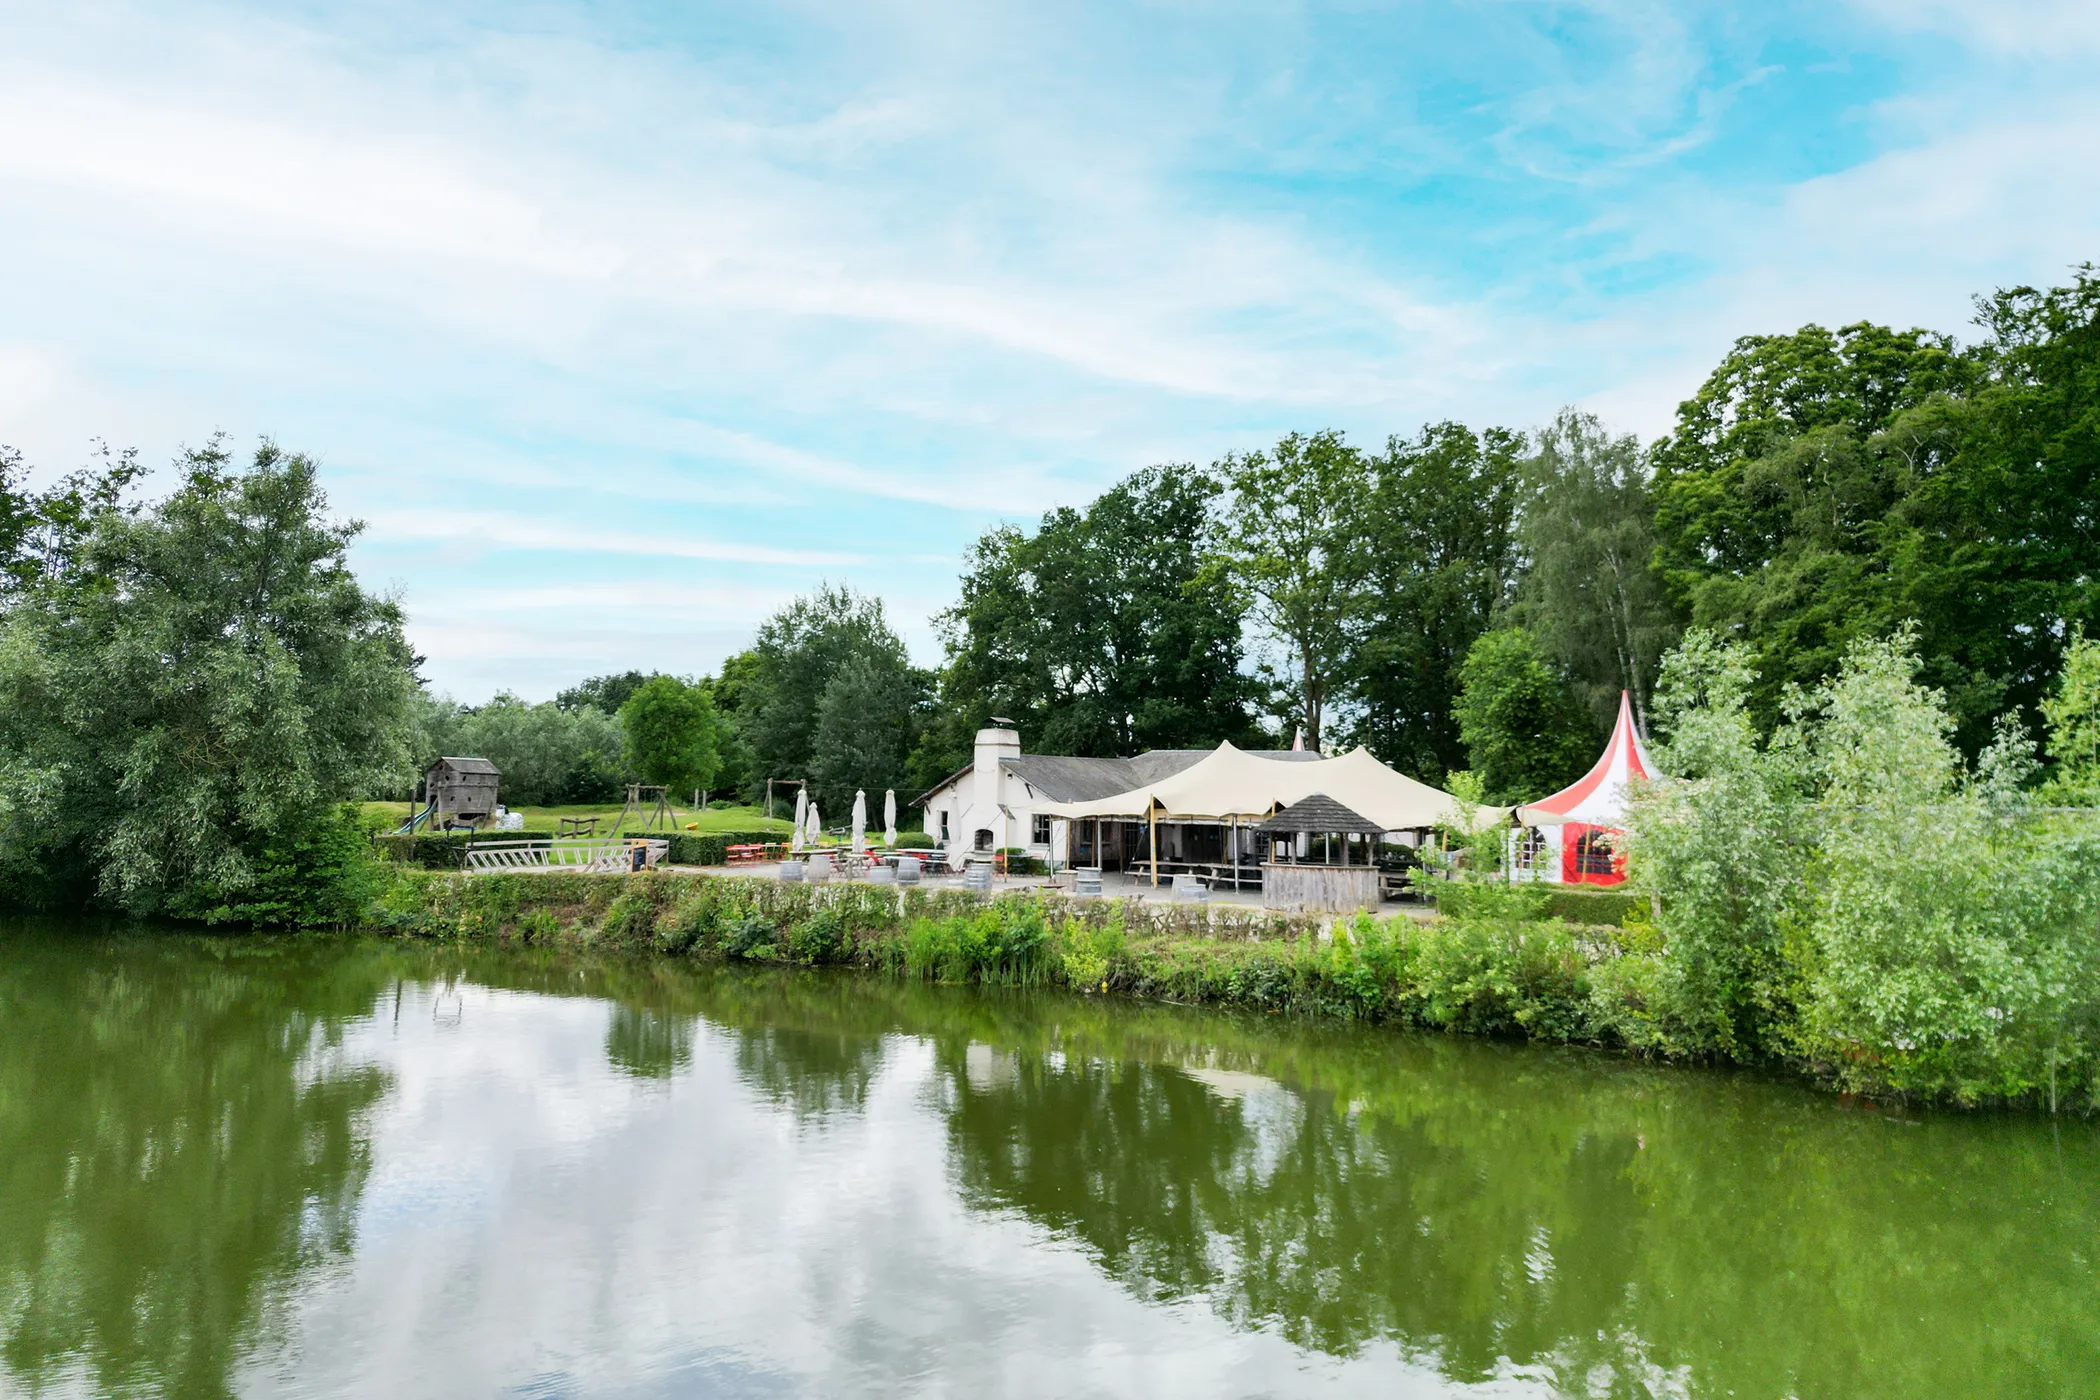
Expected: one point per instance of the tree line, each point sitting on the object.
(1478, 598)
(183, 681)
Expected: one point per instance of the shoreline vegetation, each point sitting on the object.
(1850, 597)
(1487, 964)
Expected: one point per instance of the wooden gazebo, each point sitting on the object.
(1330, 883)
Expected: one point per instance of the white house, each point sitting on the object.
(997, 801)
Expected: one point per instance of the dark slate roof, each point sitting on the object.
(1061, 778)
(1073, 779)
(1318, 812)
(472, 765)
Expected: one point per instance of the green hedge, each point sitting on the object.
(446, 850)
(1575, 904)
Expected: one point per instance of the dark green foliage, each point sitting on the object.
(605, 694)
(782, 691)
(818, 937)
(1824, 488)
(1572, 904)
(549, 756)
(323, 875)
(746, 935)
(41, 534)
(1440, 562)
(1101, 633)
(1289, 544)
(673, 737)
(1525, 731)
(866, 718)
(1590, 595)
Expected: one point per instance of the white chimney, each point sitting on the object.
(993, 745)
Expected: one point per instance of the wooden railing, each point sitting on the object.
(585, 855)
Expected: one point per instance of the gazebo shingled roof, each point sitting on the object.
(1318, 813)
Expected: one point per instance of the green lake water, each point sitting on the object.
(274, 1167)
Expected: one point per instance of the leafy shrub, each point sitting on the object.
(1503, 977)
(632, 916)
(819, 937)
(1969, 970)
(747, 935)
(322, 875)
(1089, 950)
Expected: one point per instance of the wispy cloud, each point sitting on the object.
(765, 296)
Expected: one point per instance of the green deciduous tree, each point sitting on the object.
(1823, 488)
(547, 755)
(41, 532)
(1438, 562)
(201, 676)
(1723, 841)
(1950, 946)
(800, 651)
(1288, 543)
(1102, 632)
(606, 694)
(674, 737)
(1590, 593)
(1522, 725)
(866, 719)
(2073, 715)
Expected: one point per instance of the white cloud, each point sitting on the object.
(2056, 30)
(829, 300)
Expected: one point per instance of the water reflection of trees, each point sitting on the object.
(177, 1149)
(1615, 1229)
(647, 1043)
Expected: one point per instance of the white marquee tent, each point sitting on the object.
(1234, 785)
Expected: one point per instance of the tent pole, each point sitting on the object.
(1153, 812)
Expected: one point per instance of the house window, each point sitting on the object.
(944, 828)
(1042, 831)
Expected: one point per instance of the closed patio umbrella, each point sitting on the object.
(889, 817)
(815, 828)
(801, 814)
(860, 822)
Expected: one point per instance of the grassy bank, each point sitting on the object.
(1492, 970)
(1491, 965)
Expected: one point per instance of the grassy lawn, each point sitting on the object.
(544, 818)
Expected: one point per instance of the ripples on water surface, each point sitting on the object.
(281, 1168)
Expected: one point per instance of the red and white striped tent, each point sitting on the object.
(1565, 838)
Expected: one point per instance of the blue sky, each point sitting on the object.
(620, 325)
